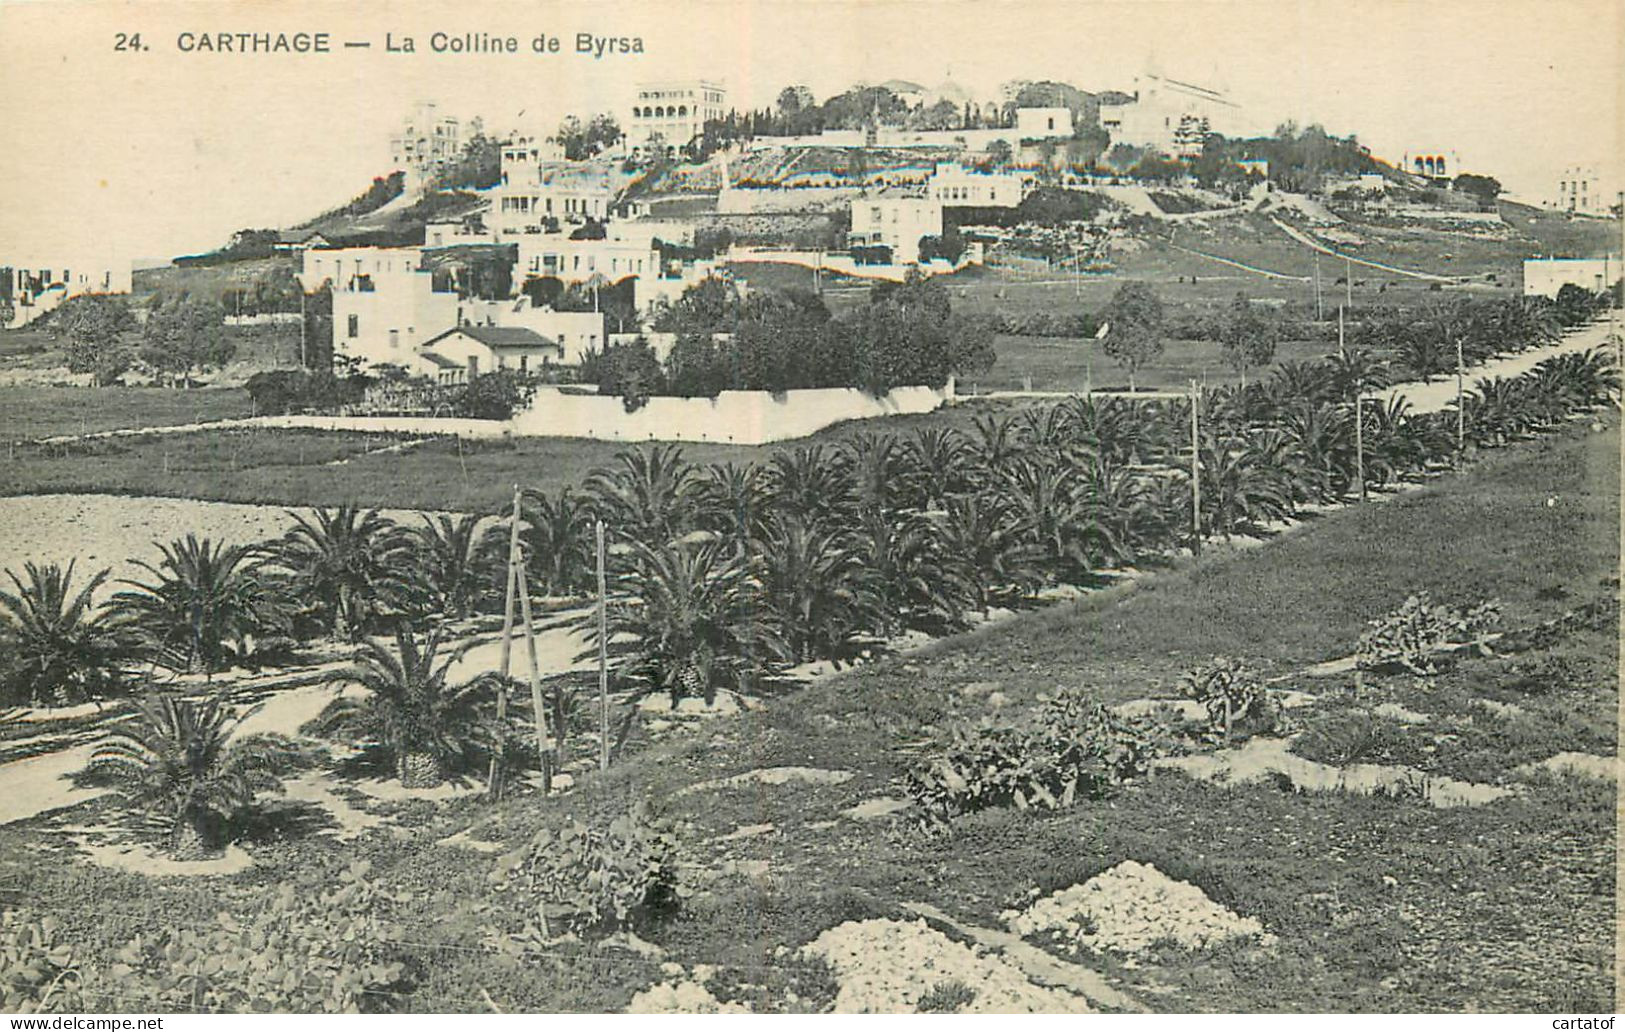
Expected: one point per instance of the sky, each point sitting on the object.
(156, 152)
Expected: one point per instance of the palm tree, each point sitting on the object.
(424, 726)
(910, 581)
(178, 760)
(1048, 498)
(1241, 491)
(936, 458)
(876, 464)
(455, 563)
(987, 535)
(348, 565)
(690, 617)
(557, 536)
(208, 602)
(58, 650)
(811, 482)
(647, 495)
(1324, 436)
(734, 500)
(993, 447)
(813, 580)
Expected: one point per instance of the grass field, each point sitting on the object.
(1378, 904)
(30, 413)
(300, 467)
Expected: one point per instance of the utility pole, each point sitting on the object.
(304, 362)
(538, 706)
(603, 653)
(1196, 471)
(1348, 282)
(1342, 351)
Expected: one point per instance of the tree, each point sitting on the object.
(208, 603)
(1485, 188)
(424, 726)
(647, 495)
(557, 536)
(454, 564)
(1135, 318)
(183, 335)
(688, 619)
(96, 325)
(180, 761)
(348, 567)
(57, 649)
(1247, 338)
(999, 154)
(793, 100)
(813, 579)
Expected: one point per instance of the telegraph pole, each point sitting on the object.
(1320, 309)
(1461, 413)
(1359, 434)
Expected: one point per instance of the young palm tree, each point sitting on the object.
(425, 726)
(178, 761)
(910, 582)
(993, 447)
(811, 482)
(1049, 499)
(348, 565)
(557, 537)
(936, 460)
(691, 618)
(1241, 491)
(812, 579)
(877, 464)
(57, 649)
(647, 495)
(734, 501)
(987, 534)
(455, 564)
(207, 603)
(1324, 435)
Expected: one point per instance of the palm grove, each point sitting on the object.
(723, 576)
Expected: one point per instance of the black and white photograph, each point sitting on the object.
(810, 507)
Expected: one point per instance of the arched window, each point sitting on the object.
(1440, 164)
(1420, 168)
(682, 111)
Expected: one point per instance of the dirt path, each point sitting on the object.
(1438, 395)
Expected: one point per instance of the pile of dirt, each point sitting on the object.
(886, 967)
(1129, 908)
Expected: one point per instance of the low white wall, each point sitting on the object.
(733, 417)
(845, 264)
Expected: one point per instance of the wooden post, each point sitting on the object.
(1196, 472)
(1342, 351)
(537, 705)
(603, 652)
(503, 665)
(1320, 309)
(1461, 413)
(1359, 434)
(1348, 282)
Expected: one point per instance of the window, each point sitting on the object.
(394, 340)
(354, 326)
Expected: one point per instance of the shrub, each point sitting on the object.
(1231, 692)
(319, 946)
(1073, 748)
(495, 395)
(597, 880)
(946, 997)
(1411, 637)
(39, 973)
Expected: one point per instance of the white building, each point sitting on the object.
(1043, 123)
(1583, 192)
(954, 186)
(531, 197)
(1431, 164)
(575, 333)
(462, 353)
(358, 268)
(426, 142)
(1544, 277)
(674, 111)
(577, 261)
(31, 286)
(897, 223)
(1170, 116)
